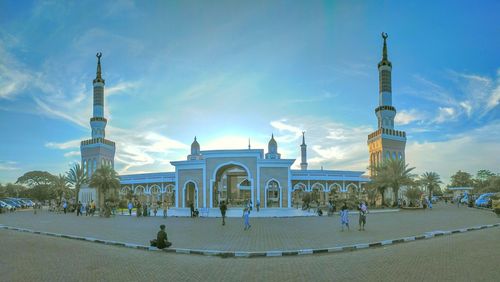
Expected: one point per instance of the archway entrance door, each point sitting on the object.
(190, 195)
(232, 185)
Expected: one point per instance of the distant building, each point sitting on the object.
(245, 176)
(460, 191)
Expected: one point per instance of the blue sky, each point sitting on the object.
(227, 71)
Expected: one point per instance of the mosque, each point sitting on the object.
(242, 176)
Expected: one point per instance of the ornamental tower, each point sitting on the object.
(272, 149)
(303, 152)
(97, 151)
(385, 142)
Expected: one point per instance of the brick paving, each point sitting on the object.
(266, 234)
(471, 256)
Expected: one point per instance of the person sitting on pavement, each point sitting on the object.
(161, 241)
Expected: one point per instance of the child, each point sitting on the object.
(344, 217)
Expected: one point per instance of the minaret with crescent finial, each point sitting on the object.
(386, 142)
(98, 150)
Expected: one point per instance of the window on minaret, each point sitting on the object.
(385, 81)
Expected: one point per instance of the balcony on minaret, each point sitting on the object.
(387, 131)
(98, 141)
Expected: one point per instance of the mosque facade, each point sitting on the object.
(243, 176)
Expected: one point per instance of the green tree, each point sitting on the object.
(61, 187)
(431, 181)
(106, 181)
(77, 177)
(413, 194)
(36, 178)
(482, 179)
(493, 184)
(393, 173)
(461, 179)
(39, 182)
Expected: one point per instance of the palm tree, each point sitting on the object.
(60, 186)
(393, 173)
(105, 179)
(430, 180)
(77, 177)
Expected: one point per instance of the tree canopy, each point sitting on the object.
(36, 178)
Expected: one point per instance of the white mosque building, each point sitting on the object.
(238, 177)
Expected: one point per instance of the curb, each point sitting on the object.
(273, 253)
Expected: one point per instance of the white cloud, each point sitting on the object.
(63, 146)
(408, 116)
(494, 98)
(445, 114)
(467, 107)
(121, 87)
(330, 145)
(72, 154)
(469, 151)
(13, 75)
(8, 165)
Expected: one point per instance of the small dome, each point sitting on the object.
(195, 147)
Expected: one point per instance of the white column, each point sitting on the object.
(204, 186)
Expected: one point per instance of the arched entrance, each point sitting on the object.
(232, 184)
(140, 194)
(318, 194)
(190, 194)
(273, 194)
(298, 195)
(155, 194)
(169, 195)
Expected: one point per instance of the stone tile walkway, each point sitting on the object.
(266, 234)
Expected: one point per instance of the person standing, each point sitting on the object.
(363, 210)
(155, 208)
(258, 205)
(344, 217)
(165, 208)
(145, 209)
(79, 209)
(138, 208)
(223, 209)
(65, 206)
(191, 206)
(130, 207)
(246, 216)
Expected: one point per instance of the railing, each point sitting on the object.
(98, 119)
(387, 131)
(388, 108)
(97, 141)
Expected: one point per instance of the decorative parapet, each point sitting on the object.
(387, 131)
(387, 108)
(98, 119)
(98, 141)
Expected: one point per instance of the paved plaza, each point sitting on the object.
(471, 256)
(266, 234)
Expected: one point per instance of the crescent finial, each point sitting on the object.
(98, 55)
(384, 35)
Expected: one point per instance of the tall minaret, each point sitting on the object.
(385, 142)
(97, 151)
(385, 111)
(303, 152)
(98, 122)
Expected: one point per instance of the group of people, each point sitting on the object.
(246, 213)
(344, 216)
(145, 208)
